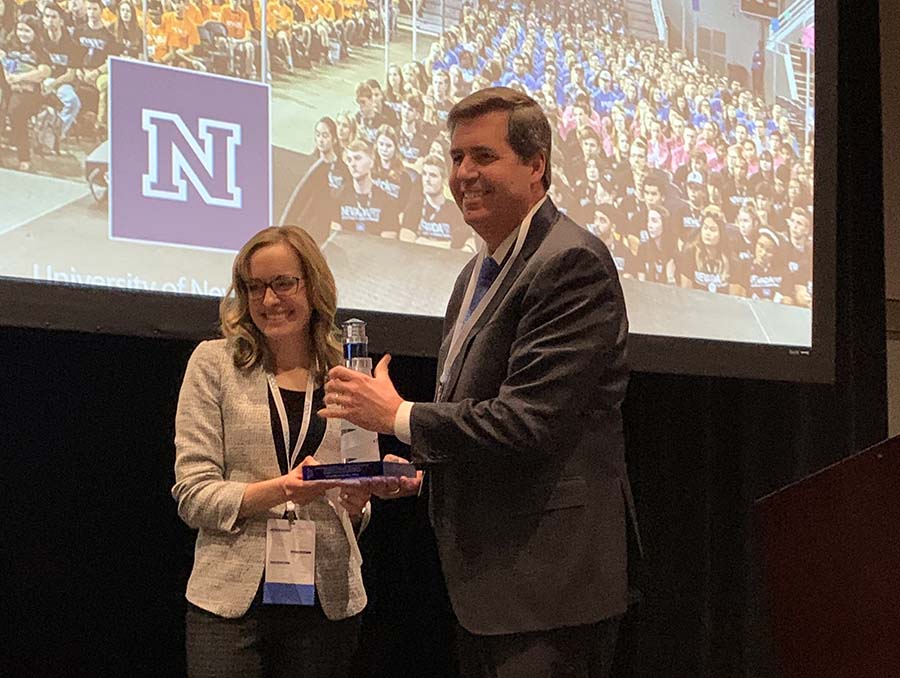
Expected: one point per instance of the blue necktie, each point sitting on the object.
(490, 269)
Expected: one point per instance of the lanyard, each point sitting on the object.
(282, 414)
(462, 327)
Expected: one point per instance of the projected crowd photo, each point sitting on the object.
(682, 139)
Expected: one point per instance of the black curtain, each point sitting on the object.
(95, 559)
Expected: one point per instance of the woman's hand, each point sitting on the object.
(300, 491)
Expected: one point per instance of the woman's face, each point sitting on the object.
(394, 78)
(794, 189)
(125, 12)
(591, 171)
(765, 251)
(343, 128)
(745, 223)
(709, 232)
(386, 148)
(279, 318)
(436, 149)
(324, 139)
(654, 223)
(24, 33)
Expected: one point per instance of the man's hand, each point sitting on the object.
(369, 402)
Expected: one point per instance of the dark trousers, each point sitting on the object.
(584, 651)
(22, 105)
(269, 641)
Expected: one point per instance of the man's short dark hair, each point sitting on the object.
(527, 130)
(54, 7)
(363, 91)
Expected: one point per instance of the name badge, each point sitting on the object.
(290, 562)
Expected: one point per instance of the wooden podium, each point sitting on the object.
(830, 560)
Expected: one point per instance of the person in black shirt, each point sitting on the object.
(314, 200)
(97, 44)
(413, 137)
(388, 114)
(705, 263)
(656, 255)
(765, 277)
(362, 207)
(389, 173)
(65, 58)
(743, 235)
(604, 225)
(440, 223)
(368, 118)
(128, 32)
(798, 254)
(27, 66)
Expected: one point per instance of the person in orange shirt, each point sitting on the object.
(181, 38)
(279, 28)
(241, 46)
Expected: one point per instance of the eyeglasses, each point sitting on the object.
(282, 286)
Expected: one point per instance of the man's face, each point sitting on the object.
(677, 125)
(366, 104)
(798, 226)
(92, 10)
(690, 137)
(652, 195)
(740, 134)
(589, 147)
(733, 159)
(603, 224)
(638, 158)
(431, 180)
(52, 20)
(359, 163)
(519, 67)
(695, 192)
(489, 182)
(377, 99)
(408, 114)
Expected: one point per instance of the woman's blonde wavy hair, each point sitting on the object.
(234, 310)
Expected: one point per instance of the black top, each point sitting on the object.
(293, 405)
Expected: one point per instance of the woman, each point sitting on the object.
(314, 199)
(243, 425)
(389, 173)
(705, 263)
(394, 92)
(656, 251)
(346, 128)
(27, 65)
(128, 31)
(747, 224)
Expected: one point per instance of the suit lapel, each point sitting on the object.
(541, 223)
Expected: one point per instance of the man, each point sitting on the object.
(414, 135)
(368, 118)
(181, 38)
(437, 222)
(97, 44)
(65, 59)
(361, 206)
(526, 482)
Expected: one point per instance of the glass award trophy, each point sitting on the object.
(359, 447)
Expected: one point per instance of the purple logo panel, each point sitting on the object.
(189, 156)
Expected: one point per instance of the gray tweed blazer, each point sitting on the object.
(223, 441)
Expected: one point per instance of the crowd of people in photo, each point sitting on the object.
(54, 76)
(690, 178)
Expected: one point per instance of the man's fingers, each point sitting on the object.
(341, 373)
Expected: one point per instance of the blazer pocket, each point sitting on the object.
(567, 493)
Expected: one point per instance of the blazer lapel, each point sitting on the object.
(541, 223)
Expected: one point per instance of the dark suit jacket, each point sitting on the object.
(525, 442)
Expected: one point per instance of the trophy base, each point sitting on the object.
(358, 469)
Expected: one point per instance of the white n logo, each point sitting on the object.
(175, 156)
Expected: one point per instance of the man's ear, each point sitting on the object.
(538, 164)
